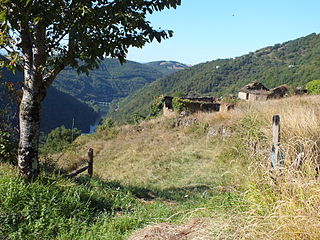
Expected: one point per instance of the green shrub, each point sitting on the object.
(156, 106)
(313, 87)
(8, 149)
(179, 104)
(59, 139)
(106, 125)
(107, 130)
(136, 118)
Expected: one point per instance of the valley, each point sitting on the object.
(206, 175)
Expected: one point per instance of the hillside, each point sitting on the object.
(206, 176)
(294, 62)
(111, 81)
(57, 108)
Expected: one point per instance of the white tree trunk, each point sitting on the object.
(29, 126)
(34, 53)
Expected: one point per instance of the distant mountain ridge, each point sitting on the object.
(167, 67)
(294, 62)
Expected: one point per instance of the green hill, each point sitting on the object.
(294, 62)
(59, 108)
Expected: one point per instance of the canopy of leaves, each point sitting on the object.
(78, 30)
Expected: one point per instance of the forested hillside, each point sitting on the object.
(111, 81)
(57, 108)
(294, 62)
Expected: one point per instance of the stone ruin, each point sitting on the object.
(257, 91)
(196, 104)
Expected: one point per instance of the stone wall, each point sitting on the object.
(243, 95)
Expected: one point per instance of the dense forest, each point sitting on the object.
(294, 62)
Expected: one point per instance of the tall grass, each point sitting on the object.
(209, 166)
(282, 203)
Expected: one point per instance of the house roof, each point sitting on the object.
(255, 87)
(283, 87)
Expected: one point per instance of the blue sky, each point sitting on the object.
(205, 30)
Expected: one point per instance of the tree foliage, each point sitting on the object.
(8, 123)
(58, 139)
(313, 87)
(54, 34)
(156, 106)
(8, 147)
(78, 33)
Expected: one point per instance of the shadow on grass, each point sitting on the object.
(172, 194)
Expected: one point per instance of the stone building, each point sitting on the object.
(192, 105)
(254, 91)
(257, 91)
(279, 92)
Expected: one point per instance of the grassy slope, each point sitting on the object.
(160, 172)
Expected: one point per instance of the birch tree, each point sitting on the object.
(42, 37)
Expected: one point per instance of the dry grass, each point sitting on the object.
(279, 204)
(284, 203)
(195, 229)
(151, 154)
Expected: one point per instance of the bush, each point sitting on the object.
(106, 125)
(8, 148)
(156, 106)
(107, 130)
(59, 139)
(179, 104)
(313, 87)
(136, 118)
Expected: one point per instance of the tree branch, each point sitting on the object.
(50, 76)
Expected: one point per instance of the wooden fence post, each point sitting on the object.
(276, 157)
(90, 162)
